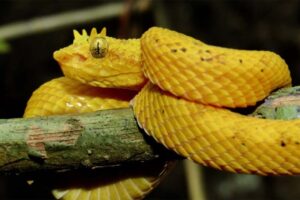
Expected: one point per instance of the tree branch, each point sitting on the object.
(67, 142)
(99, 139)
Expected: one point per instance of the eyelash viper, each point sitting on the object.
(183, 106)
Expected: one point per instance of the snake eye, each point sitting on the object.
(98, 47)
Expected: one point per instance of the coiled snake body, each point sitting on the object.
(183, 105)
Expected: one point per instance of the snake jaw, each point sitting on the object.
(118, 67)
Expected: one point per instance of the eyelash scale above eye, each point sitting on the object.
(98, 47)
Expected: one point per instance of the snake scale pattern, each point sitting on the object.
(183, 91)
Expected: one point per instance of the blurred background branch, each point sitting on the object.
(55, 21)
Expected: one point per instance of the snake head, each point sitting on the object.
(102, 61)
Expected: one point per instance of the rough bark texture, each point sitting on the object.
(69, 142)
(99, 139)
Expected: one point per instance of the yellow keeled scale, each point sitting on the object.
(199, 80)
(217, 137)
(183, 110)
(63, 96)
(208, 74)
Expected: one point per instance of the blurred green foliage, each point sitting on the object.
(4, 47)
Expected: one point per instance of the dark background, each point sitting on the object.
(244, 24)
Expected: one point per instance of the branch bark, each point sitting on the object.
(99, 139)
(67, 142)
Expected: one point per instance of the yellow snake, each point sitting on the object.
(183, 105)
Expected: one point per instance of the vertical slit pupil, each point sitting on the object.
(98, 48)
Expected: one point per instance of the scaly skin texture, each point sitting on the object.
(209, 74)
(183, 110)
(120, 68)
(219, 138)
(206, 78)
(64, 95)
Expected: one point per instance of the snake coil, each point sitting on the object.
(185, 88)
